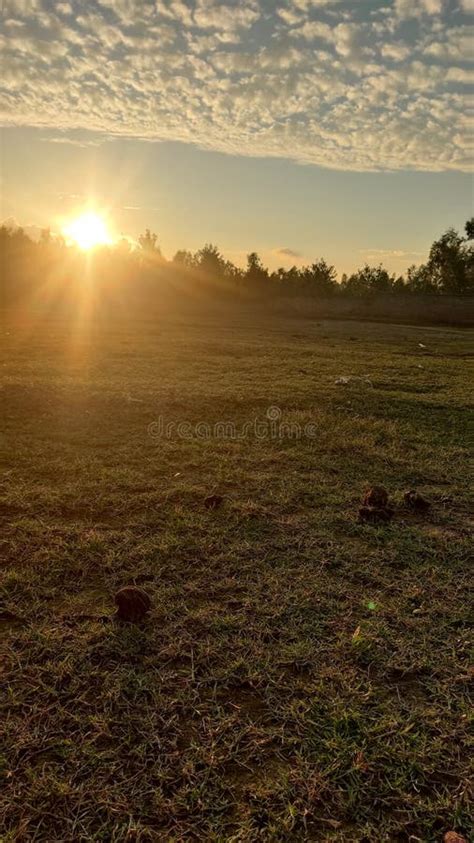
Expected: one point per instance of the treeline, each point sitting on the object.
(449, 270)
(48, 266)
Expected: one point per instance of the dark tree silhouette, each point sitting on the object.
(320, 278)
(185, 259)
(256, 272)
(210, 262)
(27, 264)
(450, 263)
(369, 280)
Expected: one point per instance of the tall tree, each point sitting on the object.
(450, 263)
(256, 272)
(320, 278)
(148, 243)
(368, 280)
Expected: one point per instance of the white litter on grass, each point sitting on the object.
(421, 345)
(343, 380)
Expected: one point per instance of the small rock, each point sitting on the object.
(213, 501)
(454, 837)
(375, 515)
(133, 604)
(415, 501)
(376, 496)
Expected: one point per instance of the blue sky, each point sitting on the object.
(298, 128)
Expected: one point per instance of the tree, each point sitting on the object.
(368, 280)
(148, 243)
(233, 273)
(320, 278)
(419, 280)
(287, 280)
(256, 272)
(399, 285)
(210, 261)
(450, 263)
(184, 259)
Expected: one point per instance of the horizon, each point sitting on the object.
(186, 218)
(90, 233)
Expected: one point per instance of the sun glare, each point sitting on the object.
(87, 231)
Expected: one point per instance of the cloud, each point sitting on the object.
(314, 29)
(138, 208)
(367, 86)
(455, 44)
(290, 16)
(417, 8)
(73, 141)
(209, 15)
(285, 252)
(391, 254)
(395, 52)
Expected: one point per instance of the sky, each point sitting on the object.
(298, 129)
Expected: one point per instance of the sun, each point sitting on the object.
(88, 230)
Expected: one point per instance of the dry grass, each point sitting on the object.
(302, 676)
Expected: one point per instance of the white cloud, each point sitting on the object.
(417, 8)
(459, 74)
(456, 44)
(349, 86)
(394, 254)
(395, 52)
(313, 29)
(209, 15)
(351, 41)
(72, 141)
(289, 16)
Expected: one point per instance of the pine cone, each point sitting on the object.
(133, 604)
(416, 501)
(375, 515)
(376, 496)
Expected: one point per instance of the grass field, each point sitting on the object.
(302, 676)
